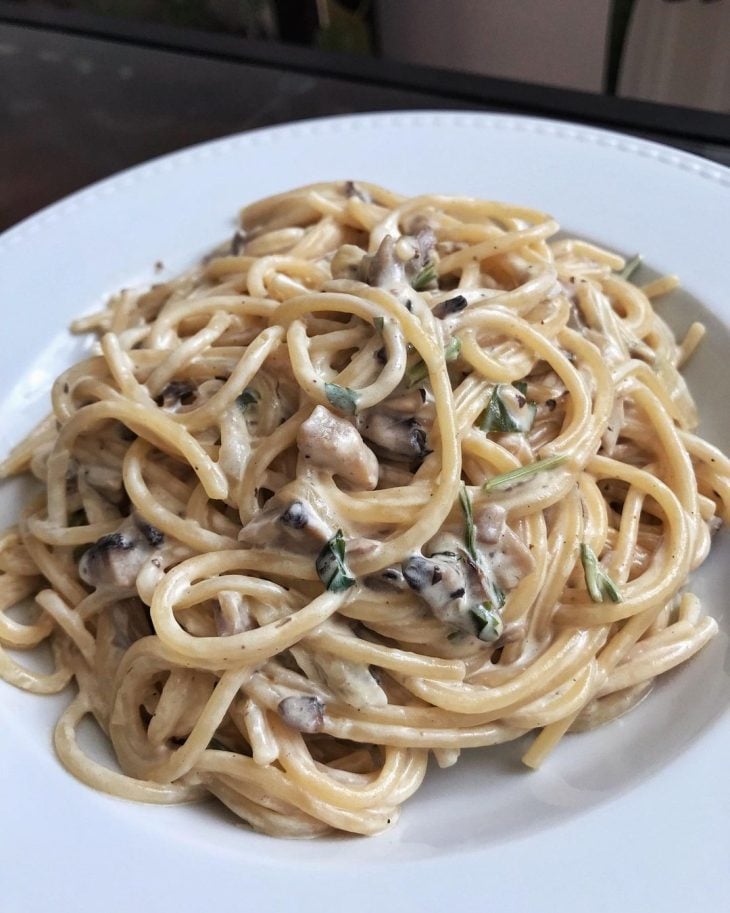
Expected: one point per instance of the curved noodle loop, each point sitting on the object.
(380, 477)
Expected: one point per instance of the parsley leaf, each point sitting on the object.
(342, 398)
(331, 567)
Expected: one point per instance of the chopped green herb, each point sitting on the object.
(425, 277)
(498, 416)
(416, 373)
(598, 583)
(342, 398)
(418, 370)
(331, 567)
(488, 622)
(469, 532)
(452, 556)
(249, 397)
(520, 386)
(496, 595)
(523, 472)
(379, 324)
(452, 350)
(631, 266)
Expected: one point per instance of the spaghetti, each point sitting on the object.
(383, 476)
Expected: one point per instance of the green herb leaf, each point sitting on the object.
(418, 370)
(523, 472)
(342, 398)
(331, 567)
(488, 622)
(469, 531)
(631, 266)
(249, 397)
(425, 277)
(416, 373)
(598, 583)
(495, 593)
(379, 324)
(498, 416)
(452, 350)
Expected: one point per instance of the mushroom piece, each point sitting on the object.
(489, 522)
(506, 555)
(355, 190)
(346, 263)
(117, 559)
(450, 306)
(130, 621)
(396, 438)
(295, 526)
(305, 713)
(425, 242)
(332, 443)
(232, 616)
(389, 580)
(418, 403)
(176, 394)
(441, 583)
(457, 592)
(383, 268)
(349, 681)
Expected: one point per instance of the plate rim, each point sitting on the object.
(128, 177)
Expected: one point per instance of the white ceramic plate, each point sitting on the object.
(634, 816)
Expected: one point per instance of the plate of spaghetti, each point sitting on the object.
(376, 496)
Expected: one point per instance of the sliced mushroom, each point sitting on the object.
(384, 269)
(177, 393)
(350, 681)
(395, 438)
(354, 190)
(232, 616)
(346, 263)
(130, 621)
(389, 580)
(489, 522)
(117, 559)
(450, 306)
(442, 584)
(457, 591)
(506, 557)
(296, 526)
(424, 242)
(418, 403)
(330, 442)
(305, 713)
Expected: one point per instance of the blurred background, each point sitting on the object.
(670, 51)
